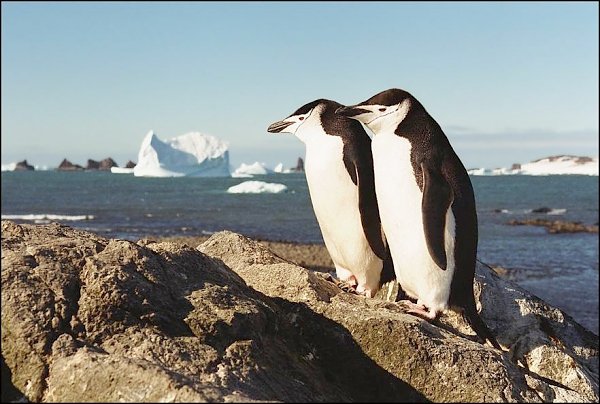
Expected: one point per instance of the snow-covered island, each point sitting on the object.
(553, 165)
(193, 154)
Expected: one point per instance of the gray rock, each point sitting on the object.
(24, 166)
(86, 318)
(66, 165)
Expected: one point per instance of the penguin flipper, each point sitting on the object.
(369, 211)
(437, 197)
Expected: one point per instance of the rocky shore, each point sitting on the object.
(85, 318)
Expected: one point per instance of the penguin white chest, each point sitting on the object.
(400, 206)
(335, 201)
(333, 194)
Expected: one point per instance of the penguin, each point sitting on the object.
(339, 171)
(427, 206)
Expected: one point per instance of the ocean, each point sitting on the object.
(559, 268)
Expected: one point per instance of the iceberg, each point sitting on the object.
(193, 154)
(9, 167)
(479, 171)
(257, 187)
(281, 170)
(121, 170)
(255, 168)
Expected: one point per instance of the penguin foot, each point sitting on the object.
(419, 310)
(348, 285)
(361, 290)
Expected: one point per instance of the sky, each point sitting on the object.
(507, 82)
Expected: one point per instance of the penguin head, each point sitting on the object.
(383, 112)
(301, 122)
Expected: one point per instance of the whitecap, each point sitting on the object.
(47, 217)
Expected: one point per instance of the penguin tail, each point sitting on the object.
(481, 329)
(387, 273)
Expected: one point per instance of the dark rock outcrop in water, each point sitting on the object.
(86, 318)
(23, 166)
(557, 226)
(130, 164)
(66, 165)
(103, 165)
(299, 166)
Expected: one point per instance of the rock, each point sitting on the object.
(66, 165)
(557, 226)
(23, 166)
(299, 165)
(130, 164)
(543, 209)
(92, 165)
(104, 165)
(107, 163)
(86, 318)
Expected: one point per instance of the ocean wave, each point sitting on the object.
(45, 217)
(502, 211)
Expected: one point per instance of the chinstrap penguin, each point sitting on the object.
(427, 206)
(339, 172)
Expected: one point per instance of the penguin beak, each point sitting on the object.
(278, 126)
(351, 111)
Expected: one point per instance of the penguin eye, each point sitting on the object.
(301, 118)
(382, 109)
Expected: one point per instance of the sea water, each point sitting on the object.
(560, 268)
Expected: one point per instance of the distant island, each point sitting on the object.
(66, 165)
(92, 165)
(198, 155)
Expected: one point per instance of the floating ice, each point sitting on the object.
(121, 170)
(257, 187)
(251, 169)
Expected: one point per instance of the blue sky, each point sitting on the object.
(508, 82)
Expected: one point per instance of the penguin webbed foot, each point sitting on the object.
(348, 285)
(419, 310)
